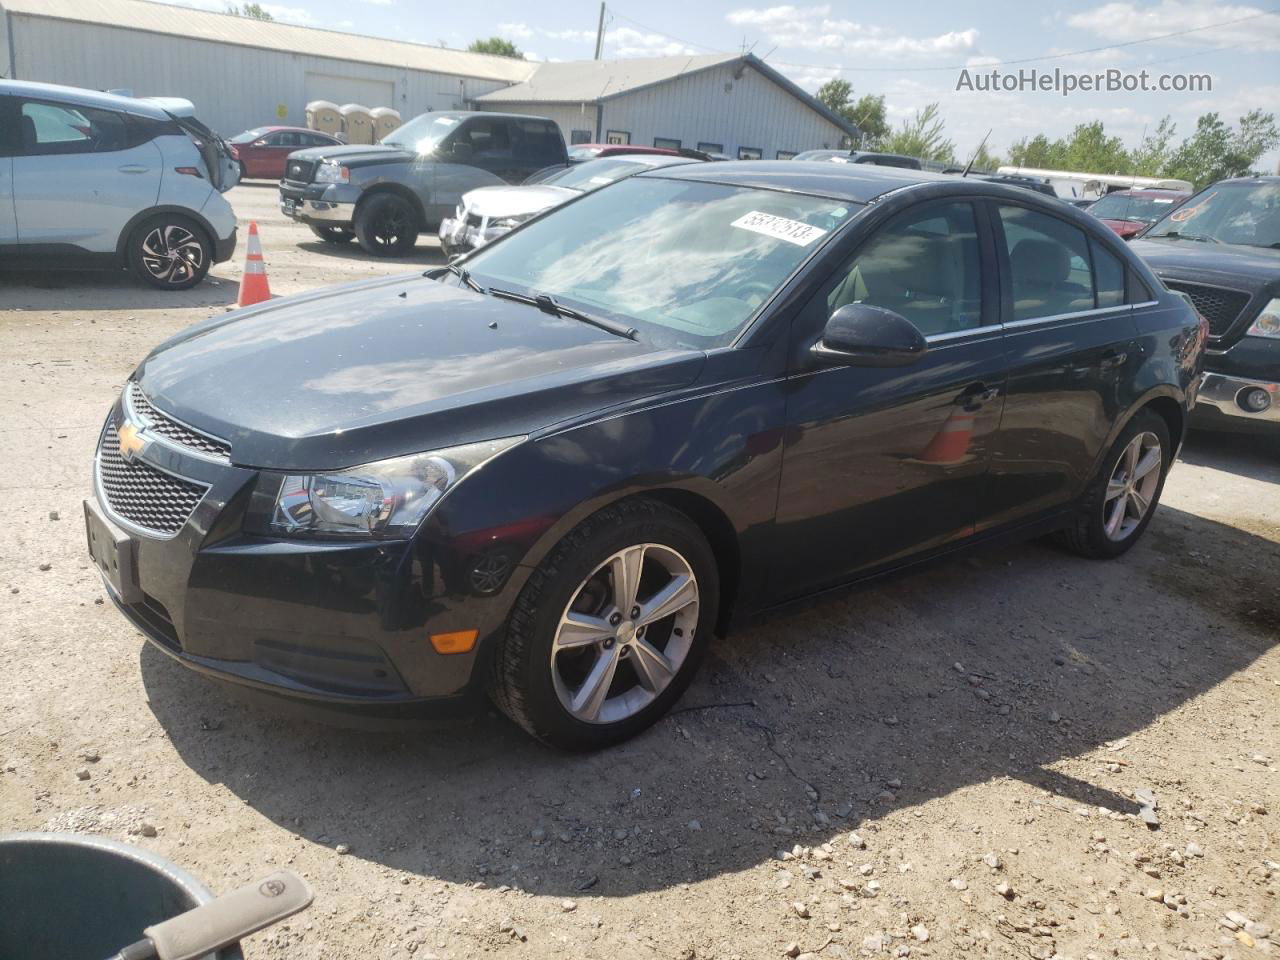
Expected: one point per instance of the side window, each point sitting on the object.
(490, 139)
(537, 144)
(1048, 264)
(1110, 273)
(579, 136)
(1138, 291)
(51, 129)
(923, 265)
(666, 143)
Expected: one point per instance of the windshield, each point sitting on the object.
(248, 135)
(423, 133)
(1243, 213)
(583, 153)
(686, 263)
(1117, 206)
(596, 173)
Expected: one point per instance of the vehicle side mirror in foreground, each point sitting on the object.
(862, 335)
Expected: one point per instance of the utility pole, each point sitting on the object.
(600, 33)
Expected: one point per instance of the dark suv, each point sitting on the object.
(1222, 249)
(387, 193)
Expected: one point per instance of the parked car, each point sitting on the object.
(1129, 212)
(1221, 248)
(262, 151)
(861, 156)
(582, 152)
(385, 194)
(491, 212)
(95, 180)
(553, 471)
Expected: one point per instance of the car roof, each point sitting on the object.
(647, 159)
(82, 97)
(857, 182)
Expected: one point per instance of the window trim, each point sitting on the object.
(756, 149)
(706, 146)
(666, 145)
(790, 154)
(617, 133)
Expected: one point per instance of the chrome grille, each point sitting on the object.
(173, 430)
(141, 494)
(1218, 305)
(299, 170)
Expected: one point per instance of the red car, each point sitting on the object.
(1129, 212)
(262, 150)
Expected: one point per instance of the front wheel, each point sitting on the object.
(386, 226)
(169, 252)
(1123, 497)
(609, 630)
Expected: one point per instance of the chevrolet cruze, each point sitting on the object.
(553, 469)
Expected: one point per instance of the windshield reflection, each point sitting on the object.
(1246, 213)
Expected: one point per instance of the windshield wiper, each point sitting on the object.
(547, 304)
(464, 275)
(1175, 235)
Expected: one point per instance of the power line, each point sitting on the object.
(999, 63)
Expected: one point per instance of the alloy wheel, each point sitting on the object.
(1132, 486)
(625, 633)
(390, 228)
(172, 254)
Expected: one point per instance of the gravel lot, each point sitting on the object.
(945, 765)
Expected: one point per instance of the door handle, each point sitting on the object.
(133, 168)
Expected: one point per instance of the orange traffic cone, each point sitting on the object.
(253, 285)
(951, 443)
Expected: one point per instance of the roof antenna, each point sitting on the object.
(969, 166)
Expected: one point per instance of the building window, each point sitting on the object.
(750, 153)
(579, 136)
(618, 136)
(710, 147)
(666, 143)
(785, 154)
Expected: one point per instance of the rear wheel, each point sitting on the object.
(386, 225)
(331, 234)
(609, 630)
(1123, 497)
(170, 252)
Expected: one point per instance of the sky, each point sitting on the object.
(912, 53)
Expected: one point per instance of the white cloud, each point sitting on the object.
(981, 61)
(1119, 22)
(290, 14)
(516, 31)
(379, 3)
(626, 42)
(813, 28)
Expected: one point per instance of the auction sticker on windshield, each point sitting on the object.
(780, 228)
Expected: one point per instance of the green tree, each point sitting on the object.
(922, 136)
(253, 11)
(1153, 152)
(497, 46)
(867, 113)
(984, 159)
(1216, 151)
(1088, 150)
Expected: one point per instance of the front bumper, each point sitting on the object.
(458, 237)
(316, 203)
(1226, 394)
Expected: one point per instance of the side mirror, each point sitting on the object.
(461, 151)
(259, 143)
(862, 335)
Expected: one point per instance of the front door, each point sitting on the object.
(79, 178)
(881, 464)
(1070, 337)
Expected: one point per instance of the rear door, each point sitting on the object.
(277, 149)
(9, 143)
(881, 464)
(80, 176)
(1071, 341)
(493, 142)
(538, 145)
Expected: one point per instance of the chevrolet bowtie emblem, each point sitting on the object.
(132, 441)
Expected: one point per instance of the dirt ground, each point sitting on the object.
(941, 766)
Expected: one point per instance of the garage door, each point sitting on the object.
(369, 93)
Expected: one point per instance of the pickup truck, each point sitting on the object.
(385, 194)
(1222, 249)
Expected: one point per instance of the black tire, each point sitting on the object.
(169, 252)
(244, 174)
(332, 234)
(521, 680)
(386, 225)
(1087, 533)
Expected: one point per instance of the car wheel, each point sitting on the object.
(610, 627)
(386, 226)
(1122, 499)
(170, 252)
(331, 234)
(244, 174)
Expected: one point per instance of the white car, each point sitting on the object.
(96, 180)
(487, 213)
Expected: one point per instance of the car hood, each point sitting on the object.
(354, 154)
(514, 201)
(394, 366)
(1224, 264)
(1123, 228)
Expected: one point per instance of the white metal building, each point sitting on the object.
(240, 73)
(720, 103)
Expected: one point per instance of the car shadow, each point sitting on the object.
(66, 290)
(798, 729)
(1255, 455)
(426, 253)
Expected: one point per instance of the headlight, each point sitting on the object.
(389, 498)
(1268, 322)
(509, 223)
(331, 171)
